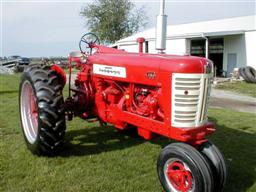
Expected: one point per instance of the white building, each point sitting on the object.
(231, 42)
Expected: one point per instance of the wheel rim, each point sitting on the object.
(178, 176)
(29, 112)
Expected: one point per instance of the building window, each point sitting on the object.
(198, 47)
(216, 48)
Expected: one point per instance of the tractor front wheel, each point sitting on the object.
(181, 168)
(42, 110)
(217, 163)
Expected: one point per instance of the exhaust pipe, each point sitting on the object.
(161, 28)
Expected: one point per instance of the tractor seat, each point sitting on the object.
(75, 54)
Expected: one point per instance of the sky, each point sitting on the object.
(36, 28)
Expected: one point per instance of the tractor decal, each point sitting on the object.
(109, 70)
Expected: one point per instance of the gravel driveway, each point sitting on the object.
(232, 100)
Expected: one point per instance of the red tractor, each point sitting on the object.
(158, 94)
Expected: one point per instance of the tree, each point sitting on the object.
(112, 20)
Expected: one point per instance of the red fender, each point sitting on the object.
(59, 71)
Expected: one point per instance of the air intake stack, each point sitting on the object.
(161, 28)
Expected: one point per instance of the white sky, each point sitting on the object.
(53, 28)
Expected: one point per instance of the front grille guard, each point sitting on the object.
(190, 99)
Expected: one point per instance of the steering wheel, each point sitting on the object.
(87, 41)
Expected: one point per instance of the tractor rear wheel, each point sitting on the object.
(217, 164)
(181, 168)
(42, 110)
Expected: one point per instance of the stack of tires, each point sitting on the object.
(248, 73)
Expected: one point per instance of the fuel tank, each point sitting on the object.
(145, 68)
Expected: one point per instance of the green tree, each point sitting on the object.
(112, 20)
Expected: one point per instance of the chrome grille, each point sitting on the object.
(190, 98)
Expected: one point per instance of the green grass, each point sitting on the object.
(74, 70)
(239, 87)
(98, 159)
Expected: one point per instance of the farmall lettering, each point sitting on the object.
(154, 94)
(109, 70)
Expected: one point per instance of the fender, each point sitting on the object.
(59, 71)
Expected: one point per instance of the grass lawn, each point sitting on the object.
(239, 87)
(98, 159)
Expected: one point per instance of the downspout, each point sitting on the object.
(206, 46)
(207, 54)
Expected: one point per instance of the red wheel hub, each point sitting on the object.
(33, 109)
(179, 177)
(29, 113)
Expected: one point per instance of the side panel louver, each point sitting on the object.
(190, 97)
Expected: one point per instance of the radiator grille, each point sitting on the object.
(190, 99)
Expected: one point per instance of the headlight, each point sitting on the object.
(208, 67)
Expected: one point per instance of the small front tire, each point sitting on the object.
(217, 163)
(182, 168)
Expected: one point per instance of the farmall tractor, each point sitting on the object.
(158, 94)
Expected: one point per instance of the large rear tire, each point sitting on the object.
(217, 163)
(42, 111)
(182, 168)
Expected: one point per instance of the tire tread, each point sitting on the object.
(51, 113)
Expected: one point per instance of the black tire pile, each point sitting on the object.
(248, 73)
